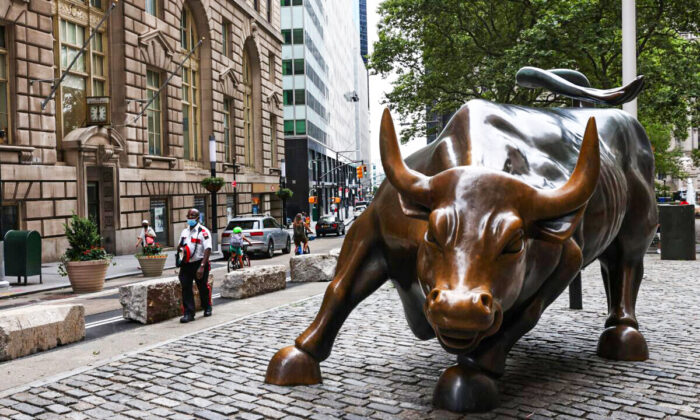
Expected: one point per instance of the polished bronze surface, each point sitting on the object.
(481, 230)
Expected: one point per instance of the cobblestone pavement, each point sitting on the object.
(379, 370)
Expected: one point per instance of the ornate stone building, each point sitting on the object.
(54, 163)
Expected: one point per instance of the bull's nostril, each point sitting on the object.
(434, 295)
(486, 300)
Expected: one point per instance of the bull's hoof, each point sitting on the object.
(465, 390)
(291, 366)
(622, 342)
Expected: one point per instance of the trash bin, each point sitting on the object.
(23, 254)
(677, 232)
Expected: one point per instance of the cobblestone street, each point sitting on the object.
(379, 370)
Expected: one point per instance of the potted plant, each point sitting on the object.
(152, 260)
(285, 193)
(85, 262)
(213, 184)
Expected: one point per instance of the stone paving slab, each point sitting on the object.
(379, 370)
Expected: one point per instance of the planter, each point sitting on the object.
(87, 276)
(152, 265)
(213, 188)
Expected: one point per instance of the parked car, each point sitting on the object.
(328, 224)
(265, 233)
(358, 210)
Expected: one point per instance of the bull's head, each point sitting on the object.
(481, 226)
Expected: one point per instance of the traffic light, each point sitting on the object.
(359, 172)
(313, 199)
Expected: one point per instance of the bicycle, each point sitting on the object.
(234, 263)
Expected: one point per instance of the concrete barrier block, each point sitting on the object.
(252, 281)
(31, 329)
(313, 267)
(155, 300)
(335, 252)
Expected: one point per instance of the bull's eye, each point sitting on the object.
(515, 245)
(430, 238)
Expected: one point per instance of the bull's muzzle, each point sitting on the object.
(462, 318)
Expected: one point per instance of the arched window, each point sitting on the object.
(248, 116)
(190, 88)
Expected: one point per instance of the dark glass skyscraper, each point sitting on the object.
(363, 30)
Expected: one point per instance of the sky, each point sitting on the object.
(377, 89)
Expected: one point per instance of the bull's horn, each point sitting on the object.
(409, 183)
(578, 190)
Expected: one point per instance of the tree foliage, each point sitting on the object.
(447, 52)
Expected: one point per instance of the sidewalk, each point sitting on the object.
(125, 266)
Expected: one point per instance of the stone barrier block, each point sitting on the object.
(313, 267)
(252, 281)
(155, 300)
(335, 252)
(31, 329)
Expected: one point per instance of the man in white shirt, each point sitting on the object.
(195, 243)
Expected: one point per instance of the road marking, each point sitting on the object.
(120, 317)
(104, 322)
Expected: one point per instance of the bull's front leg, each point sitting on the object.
(361, 270)
(470, 386)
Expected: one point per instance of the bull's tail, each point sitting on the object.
(575, 85)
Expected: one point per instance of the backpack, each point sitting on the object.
(236, 240)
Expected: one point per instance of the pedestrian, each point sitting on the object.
(147, 235)
(236, 244)
(195, 242)
(300, 229)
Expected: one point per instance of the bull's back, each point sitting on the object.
(541, 147)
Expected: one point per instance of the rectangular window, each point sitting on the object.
(287, 68)
(301, 126)
(271, 66)
(299, 97)
(87, 77)
(296, 2)
(256, 4)
(96, 3)
(152, 8)
(5, 129)
(288, 97)
(288, 127)
(269, 10)
(285, 3)
(273, 139)
(10, 219)
(287, 36)
(298, 36)
(154, 114)
(228, 133)
(299, 66)
(226, 38)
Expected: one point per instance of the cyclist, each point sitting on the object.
(300, 229)
(236, 244)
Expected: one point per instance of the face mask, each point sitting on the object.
(192, 222)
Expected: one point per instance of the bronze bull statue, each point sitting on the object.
(481, 230)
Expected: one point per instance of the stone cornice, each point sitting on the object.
(262, 23)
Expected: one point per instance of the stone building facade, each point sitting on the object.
(53, 163)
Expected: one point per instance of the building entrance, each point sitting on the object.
(100, 202)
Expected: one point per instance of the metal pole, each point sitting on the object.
(212, 161)
(235, 190)
(629, 50)
(575, 298)
(3, 282)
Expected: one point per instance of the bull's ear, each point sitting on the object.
(559, 229)
(413, 209)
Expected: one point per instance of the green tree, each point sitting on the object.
(447, 52)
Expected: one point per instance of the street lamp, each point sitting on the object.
(212, 162)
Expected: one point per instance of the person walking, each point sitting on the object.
(147, 235)
(195, 242)
(300, 229)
